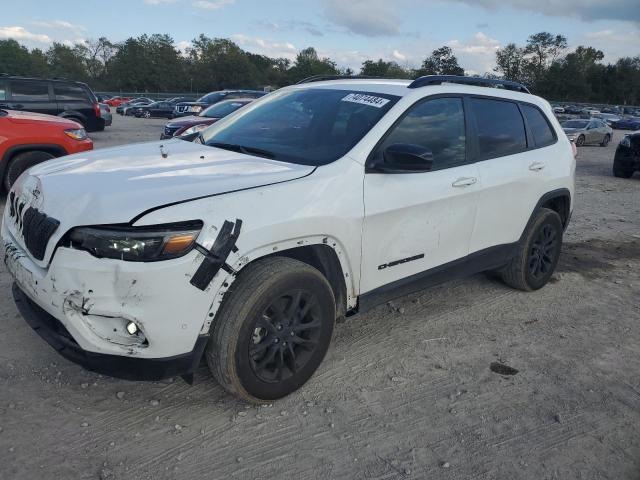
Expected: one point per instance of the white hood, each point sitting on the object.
(117, 184)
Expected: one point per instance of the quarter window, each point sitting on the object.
(29, 91)
(69, 92)
(538, 125)
(500, 128)
(437, 125)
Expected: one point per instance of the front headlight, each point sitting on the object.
(137, 244)
(626, 141)
(196, 108)
(79, 134)
(194, 129)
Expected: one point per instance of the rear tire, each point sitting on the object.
(538, 253)
(605, 140)
(272, 330)
(22, 161)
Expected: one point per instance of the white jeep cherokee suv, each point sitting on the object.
(313, 203)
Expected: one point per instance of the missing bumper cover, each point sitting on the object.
(216, 257)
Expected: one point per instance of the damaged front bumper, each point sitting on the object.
(82, 305)
(129, 368)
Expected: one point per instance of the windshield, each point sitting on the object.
(222, 109)
(308, 126)
(575, 124)
(212, 97)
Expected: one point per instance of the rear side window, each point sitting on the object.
(69, 92)
(500, 128)
(29, 91)
(539, 126)
(437, 125)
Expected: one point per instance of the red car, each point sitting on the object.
(192, 124)
(116, 101)
(28, 138)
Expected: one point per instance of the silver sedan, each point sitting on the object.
(582, 132)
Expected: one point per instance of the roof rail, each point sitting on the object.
(320, 78)
(478, 81)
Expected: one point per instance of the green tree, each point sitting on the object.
(510, 62)
(308, 64)
(15, 59)
(541, 51)
(442, 61)
(381, 68)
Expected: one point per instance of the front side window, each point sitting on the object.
(437, 125)
(310, 126)
(3, 92)
(500, 127)
(25, 91)
(539, 126)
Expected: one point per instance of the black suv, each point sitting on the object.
(73, 100)
(194, 108)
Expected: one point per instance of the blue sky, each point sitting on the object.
(348, 31)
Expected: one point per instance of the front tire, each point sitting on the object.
(538, 253)
(272, 331)
(580, 141)
(605, 140)
(20, 163)
(620, 171)
(146, 114)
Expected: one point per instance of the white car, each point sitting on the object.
(313, 203)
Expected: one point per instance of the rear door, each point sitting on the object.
(32, 96)
(513, 169)
(417, 221)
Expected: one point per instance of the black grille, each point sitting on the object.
(169, 131)
(35, 226)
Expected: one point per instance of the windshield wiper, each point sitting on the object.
(242, 149)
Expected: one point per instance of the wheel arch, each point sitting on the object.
(559, 201)
(11, 152)
(321, 252)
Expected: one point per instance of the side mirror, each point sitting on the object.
(405, 158)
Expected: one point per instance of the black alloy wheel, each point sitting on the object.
(285, 336)
(543, 252)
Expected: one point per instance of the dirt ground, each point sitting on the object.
(405, 391)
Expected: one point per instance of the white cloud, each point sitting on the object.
(401, 57)
(159, 2)
(20, 34)
(476, 54)
(265, 47)
(183, 46)
(370, 18)
(212, 4)
(613, 43)
(59, 25)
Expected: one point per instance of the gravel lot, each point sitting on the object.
(405, 391)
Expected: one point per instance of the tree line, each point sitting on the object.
(152, 63)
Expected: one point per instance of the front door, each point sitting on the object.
(418, 221)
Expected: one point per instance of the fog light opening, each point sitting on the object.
(132, 328)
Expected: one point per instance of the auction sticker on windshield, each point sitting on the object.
(370, 100)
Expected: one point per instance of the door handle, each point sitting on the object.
(536, 166)
(464, 182)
